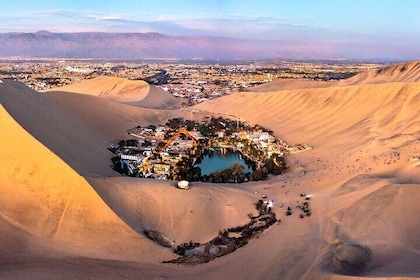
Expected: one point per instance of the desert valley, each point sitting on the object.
(65, 214)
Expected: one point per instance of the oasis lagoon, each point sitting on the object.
(214, 160)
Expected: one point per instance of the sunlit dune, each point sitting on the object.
(43, 197)
(287, 84)
(80, 219)
(136, 93)
(355, 130)
(326, 112)
(62, 114)
(404, 72)
(117, 89)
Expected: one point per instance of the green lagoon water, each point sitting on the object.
(216, 161)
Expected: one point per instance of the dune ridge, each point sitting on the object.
(46, 198)
(288, 84)
(363, 175)
(355, 130)
(371, 107)
(403, 72)
(137, 93)
(113, 88)
(61, 114)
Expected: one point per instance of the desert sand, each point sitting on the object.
(407, 72)
(136, 93)
(117, 89)
(65, 214)
(286, 84)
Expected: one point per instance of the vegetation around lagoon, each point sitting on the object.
(171, 151)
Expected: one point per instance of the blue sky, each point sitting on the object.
(339, 21)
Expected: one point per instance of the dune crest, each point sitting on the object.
(362, 174)
(403, 72)
(364, 163)
(333, 111)
(288, 84)
(43, 196)
(137, 93)
(112, 88)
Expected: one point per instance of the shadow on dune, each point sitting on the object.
(159, 99)
(348, 258)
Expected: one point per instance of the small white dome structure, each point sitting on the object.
(183, 185)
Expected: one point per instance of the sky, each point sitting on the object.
(383, 22)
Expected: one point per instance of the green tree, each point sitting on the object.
(204, 130)
(152, 127)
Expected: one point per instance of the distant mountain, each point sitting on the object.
(155, 45)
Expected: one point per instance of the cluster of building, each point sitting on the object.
(298, 148)
(263, 140)
(154, 151)
(161, 152)
(194, 80)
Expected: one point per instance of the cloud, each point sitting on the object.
(225, 25)
(111, 17)
(247, 27)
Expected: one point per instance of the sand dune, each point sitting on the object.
(43, 197)
(137, 93)
(288, 84)
(157, 98)
(363, 174)
(404, 72)
(359, 109)
(97, 122)
(367, 129)
(117, 89)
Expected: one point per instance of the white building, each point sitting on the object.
(132, 157)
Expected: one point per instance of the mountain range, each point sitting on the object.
(155, 45)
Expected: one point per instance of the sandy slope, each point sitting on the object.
(288, 84)
(363, 174)
(78, 127)
(138, 93)
(355, 130)
(404, 72)
(157, 98)
(334, 111)
(41, 195)
(117, 89)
